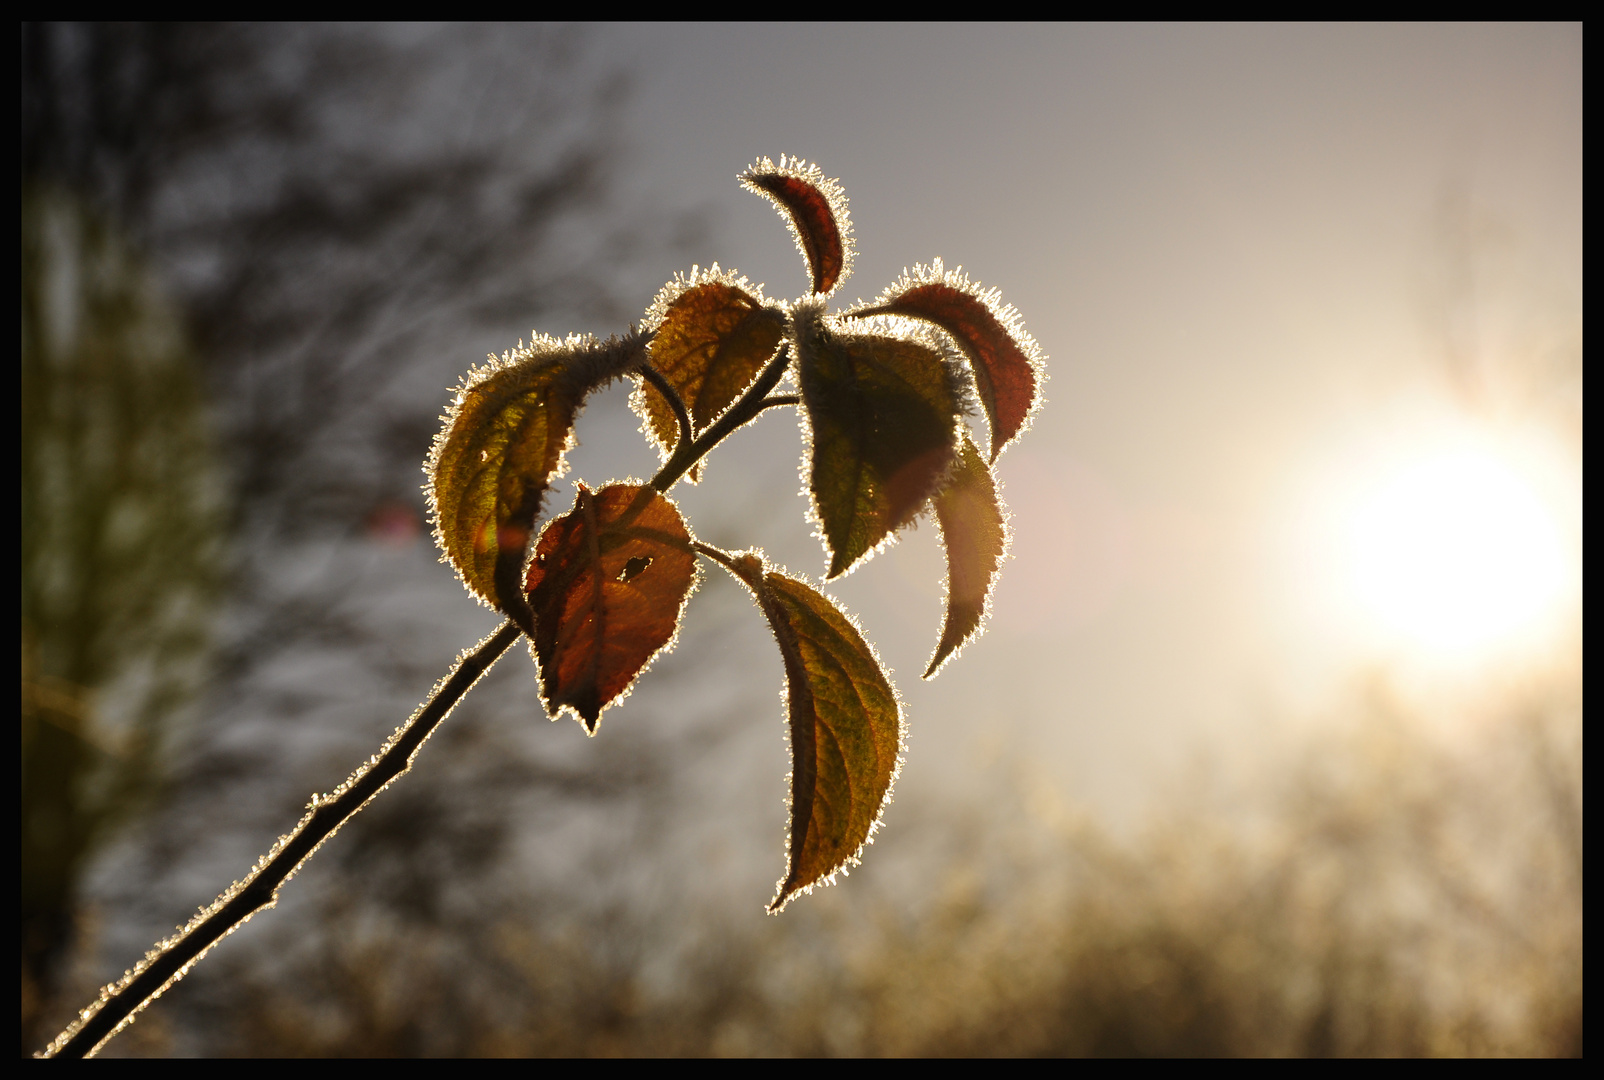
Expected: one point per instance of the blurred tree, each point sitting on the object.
(121, 550)
(1376, 892)
(323, 225)
(332, 211)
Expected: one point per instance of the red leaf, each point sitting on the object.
(816, 210)
(607, 585)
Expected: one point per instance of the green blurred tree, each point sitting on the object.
(122, 529)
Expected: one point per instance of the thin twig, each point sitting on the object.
(718, 555)
(751, 403)
(171, 960)
(120, 1002)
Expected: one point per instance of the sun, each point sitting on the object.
(1452, 553)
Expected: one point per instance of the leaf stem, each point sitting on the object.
(718, 555)
(675, 402)
(120, 1002)
(754, 401)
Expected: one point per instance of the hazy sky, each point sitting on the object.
(1228, 240)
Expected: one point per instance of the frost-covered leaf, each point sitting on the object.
(884, 416)
(846, 729)
(974, 531)
(607, 585)
(713, 334)
(1006, 360)
(816, 210)
(501, 446)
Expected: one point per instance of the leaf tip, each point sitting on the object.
(975, 532)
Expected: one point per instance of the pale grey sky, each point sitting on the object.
(1223, 237)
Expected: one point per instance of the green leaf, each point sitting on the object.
(501, 446)
(846, 729)
(713, 333)
(1007, 362)
(815, 208)
(974, 531)
(884, 411)
(607, 585)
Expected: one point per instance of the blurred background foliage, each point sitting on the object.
(1382, 894)
(253, 258)
(250, 260)
(122, 528)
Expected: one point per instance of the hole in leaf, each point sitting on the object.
(634, 567)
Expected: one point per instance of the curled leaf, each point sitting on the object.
(713, 334)
(815, 208)
(884, 416)
(845, 723)
(607, 585)
(499, 449)
(1006, 360)
(974, 531)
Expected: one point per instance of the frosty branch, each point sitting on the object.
(599, 591)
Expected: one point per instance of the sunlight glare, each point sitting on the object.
(1456, 554)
